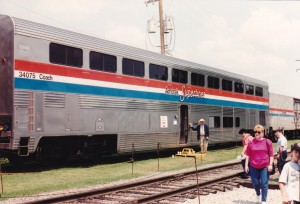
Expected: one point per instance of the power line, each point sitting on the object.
(161, 24)
(42, 15)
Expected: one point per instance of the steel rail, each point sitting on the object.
(170, 193)
(124, 186)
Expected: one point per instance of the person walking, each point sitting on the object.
(247, 138)
(260, 154)
(281, 149)
(202, 134)
(289, 180)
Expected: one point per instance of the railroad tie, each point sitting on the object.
(195, 193)
(188, 196)
(237, 185)
(219, 188)
(228, 187)
(209, 191)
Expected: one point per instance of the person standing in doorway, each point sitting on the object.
(281, 149)
(202, 134)
(260, 153)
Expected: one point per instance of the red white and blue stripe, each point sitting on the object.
(56, 78)
(279, 112)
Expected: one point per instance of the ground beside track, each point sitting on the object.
(70, 179)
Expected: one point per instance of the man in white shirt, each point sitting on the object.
(281, 149)
(289, 180)
(202, 134)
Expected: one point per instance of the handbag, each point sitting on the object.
(273, 169)
(273, 165)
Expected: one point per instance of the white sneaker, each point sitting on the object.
(258, 199)
(264, 203)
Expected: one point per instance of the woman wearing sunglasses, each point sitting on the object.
(260, 153)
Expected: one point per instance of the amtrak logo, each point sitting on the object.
(185, 93)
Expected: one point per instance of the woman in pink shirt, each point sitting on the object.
(260, 153)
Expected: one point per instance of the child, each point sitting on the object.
(289, 179)
(247, 138)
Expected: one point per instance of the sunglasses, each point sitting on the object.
(258, 132)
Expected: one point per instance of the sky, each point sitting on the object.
(258, 39)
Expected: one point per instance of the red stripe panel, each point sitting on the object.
(281, 110)
(66, 71)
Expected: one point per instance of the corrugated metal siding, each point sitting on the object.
(94, 102)
(227, 111)
(55, 100)
(281, 102)
(147, 141)
(31, 144)
(21, 99)
(31, 29)
(16, 142)
(253, 118)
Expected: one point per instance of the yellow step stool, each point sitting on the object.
(189, 152)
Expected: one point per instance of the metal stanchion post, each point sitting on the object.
(1, 180)
(158, 157)
(201, 155)
(197, 178)
(236, 145)
(132, 159)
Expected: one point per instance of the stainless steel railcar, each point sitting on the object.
(66, 94)
(284, 113)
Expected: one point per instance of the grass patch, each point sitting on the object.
(25, 184)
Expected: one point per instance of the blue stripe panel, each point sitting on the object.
(281, 115)
(30, 84)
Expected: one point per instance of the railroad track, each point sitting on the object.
(170, 189)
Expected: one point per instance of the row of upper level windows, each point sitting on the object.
(71, 56)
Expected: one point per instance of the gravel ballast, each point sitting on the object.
(240, 195)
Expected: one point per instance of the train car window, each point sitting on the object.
(103, 62)
(249, 89)
(197, 79)
(179, 76)
(226, 85)
(237, 121)
(262, 118)
(214, 121)
(238, 87)
(158, 72)
(133, 67)
(227, 122)
(258, 91)
(213, 82)
(65, 55)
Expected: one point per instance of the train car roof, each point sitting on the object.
(58, 35)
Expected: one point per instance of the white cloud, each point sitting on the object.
(271, 30)
(70, 8)
(127, 35)
(259, 39)
(259, 48)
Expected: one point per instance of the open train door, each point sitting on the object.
(184, 124)
(6, 76)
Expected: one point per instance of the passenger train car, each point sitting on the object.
(65, 94)
(284, 113)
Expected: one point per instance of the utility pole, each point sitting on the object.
(161, 25)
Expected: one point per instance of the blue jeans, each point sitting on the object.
(260, 180)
